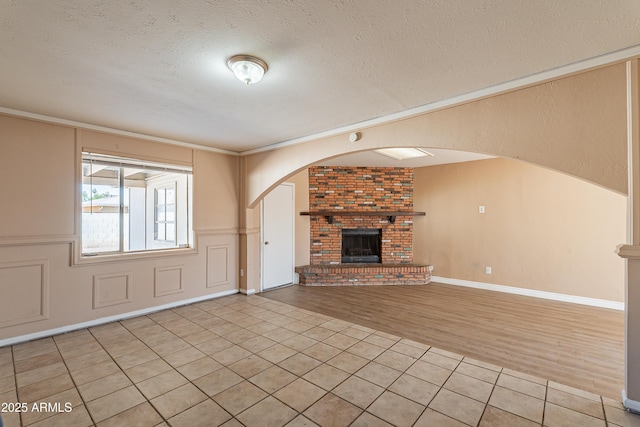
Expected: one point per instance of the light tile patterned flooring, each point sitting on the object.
(251, 361)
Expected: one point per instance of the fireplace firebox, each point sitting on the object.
(361, 245)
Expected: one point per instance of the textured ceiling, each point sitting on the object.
(158, 67)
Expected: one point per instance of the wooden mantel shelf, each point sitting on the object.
(391, 215)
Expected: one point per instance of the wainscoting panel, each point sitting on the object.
(168, 281)
(217, 265)
(111, 289)
(24, 286)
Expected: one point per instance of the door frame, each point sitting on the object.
(293, 234)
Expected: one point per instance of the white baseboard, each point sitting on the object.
(614, 305)
(247, 291)
(115, 318)
(630, 405)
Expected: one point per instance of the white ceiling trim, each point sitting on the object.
(534, 79)
(86, 126)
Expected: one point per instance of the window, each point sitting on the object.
(130, 205)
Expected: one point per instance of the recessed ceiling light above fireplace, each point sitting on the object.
(403, 153)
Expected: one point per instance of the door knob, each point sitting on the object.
(266, 243)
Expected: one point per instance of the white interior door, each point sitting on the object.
(278, 237)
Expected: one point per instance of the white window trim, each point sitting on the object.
(78, 258)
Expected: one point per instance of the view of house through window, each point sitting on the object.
(131, 205)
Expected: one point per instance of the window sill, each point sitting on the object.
(129, 256)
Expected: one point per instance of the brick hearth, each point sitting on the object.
(345, 192)
(363, 274)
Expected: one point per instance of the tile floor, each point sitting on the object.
(251, 361)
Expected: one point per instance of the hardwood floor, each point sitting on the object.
(571, 344)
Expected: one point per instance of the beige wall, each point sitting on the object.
(42, 289)
(216, 192)
(542, 230)
(33, 157)
(575, 124)
(302, 223)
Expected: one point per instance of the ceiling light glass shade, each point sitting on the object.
(247, 69)
(403, 153)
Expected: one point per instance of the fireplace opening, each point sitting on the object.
(361, 245)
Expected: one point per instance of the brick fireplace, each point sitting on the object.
(370, 200)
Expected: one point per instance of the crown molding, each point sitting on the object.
(520, 83)
(87, 126)
(516, 84)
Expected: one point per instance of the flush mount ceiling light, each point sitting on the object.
(247, 69)
(403, 153)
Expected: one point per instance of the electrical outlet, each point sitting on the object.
(487, 270)
(480, 209)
